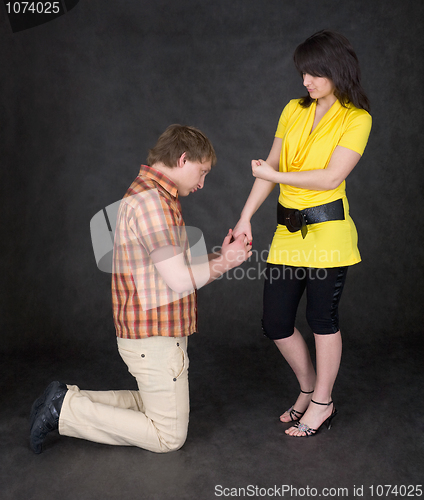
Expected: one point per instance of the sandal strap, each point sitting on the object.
(292, 410)
(322, 404)
(304, 392)
(294, 415)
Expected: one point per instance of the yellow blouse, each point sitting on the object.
(327, 244)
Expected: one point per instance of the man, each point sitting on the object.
(154, 283)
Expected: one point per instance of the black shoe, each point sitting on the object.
(327, 422)
(44, 416)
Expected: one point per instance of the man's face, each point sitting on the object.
(192, 176)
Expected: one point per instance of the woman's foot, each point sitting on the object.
(298, 409)
(312, 420)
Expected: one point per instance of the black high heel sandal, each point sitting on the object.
(327, 422)
(294, 414)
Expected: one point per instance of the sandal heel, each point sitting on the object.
(329, 420)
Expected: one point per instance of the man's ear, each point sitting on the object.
(182, 159)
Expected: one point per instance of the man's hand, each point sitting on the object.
(169, 262)
(237, 251)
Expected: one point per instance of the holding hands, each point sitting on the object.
(235, 249)
(243, 227)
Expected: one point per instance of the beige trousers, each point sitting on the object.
(154, 418)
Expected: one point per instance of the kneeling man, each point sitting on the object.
(154, 282)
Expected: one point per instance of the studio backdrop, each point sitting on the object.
(86, 94)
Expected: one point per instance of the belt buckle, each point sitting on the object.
(295, 221)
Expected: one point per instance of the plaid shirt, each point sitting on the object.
(149, 217)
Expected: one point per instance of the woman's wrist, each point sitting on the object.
(245, 217)
(277, 177)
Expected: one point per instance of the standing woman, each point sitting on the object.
(319, 140)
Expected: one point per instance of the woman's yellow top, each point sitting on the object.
(327, 244)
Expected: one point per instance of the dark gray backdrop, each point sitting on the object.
(84, 96)
(82, 99)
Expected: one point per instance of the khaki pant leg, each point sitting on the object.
(154, 418)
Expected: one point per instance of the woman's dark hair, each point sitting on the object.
(329, 54)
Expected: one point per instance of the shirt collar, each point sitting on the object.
(160, 178)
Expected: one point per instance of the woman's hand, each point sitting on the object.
(243, 227)
(262, 170)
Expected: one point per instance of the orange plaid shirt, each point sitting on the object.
(149, 217)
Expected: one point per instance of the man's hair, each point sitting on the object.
(179, 139)
(329, 54)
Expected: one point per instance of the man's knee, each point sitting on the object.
(172, 444)
(177, 445)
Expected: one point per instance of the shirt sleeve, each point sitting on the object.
(150, 221)
(358, 129)
(284, 118)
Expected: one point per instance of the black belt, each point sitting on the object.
(298, 220)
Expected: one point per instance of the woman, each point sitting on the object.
(319, 140)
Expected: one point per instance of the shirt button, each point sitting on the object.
(142, 355)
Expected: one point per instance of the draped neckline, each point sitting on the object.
(328, 115)
(307, 138)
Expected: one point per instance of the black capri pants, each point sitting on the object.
(284, 287)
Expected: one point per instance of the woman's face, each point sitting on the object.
(318, 86)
